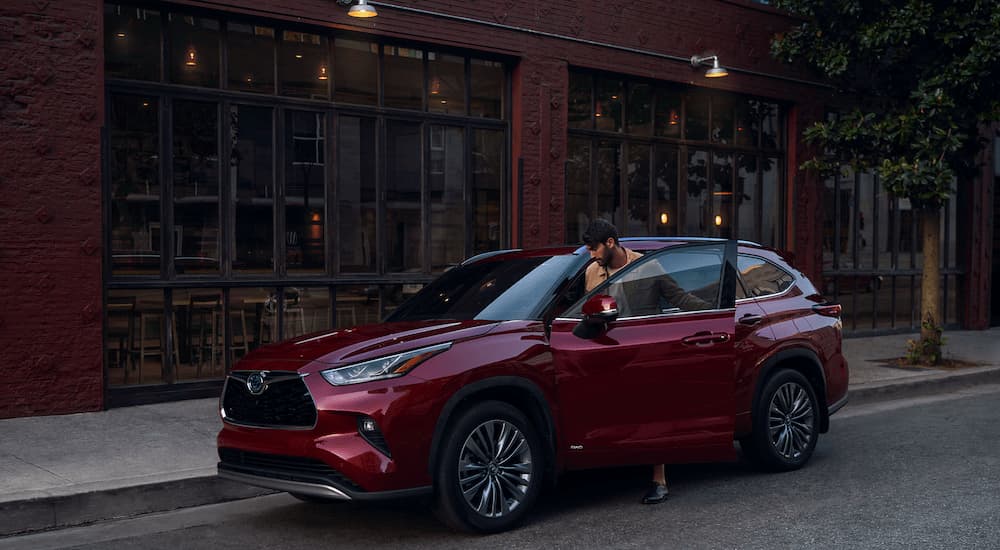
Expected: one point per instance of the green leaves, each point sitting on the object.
(923, 73)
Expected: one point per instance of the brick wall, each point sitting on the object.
(51, 82)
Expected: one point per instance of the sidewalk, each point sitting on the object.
(57, 471)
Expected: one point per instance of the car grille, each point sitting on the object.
(289, 468)
(285, 403)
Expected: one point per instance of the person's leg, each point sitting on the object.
(657, 493)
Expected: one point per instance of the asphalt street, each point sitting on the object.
(916, 473)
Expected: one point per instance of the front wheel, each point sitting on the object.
(491, 468)
(785, 423)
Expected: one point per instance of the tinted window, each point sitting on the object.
(763, 278)
(679, 279)
(489, 290)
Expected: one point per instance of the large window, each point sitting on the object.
(657, 159)
(268, 180)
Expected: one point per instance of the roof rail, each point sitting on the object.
(485, 255)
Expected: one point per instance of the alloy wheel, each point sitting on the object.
(495, 468)
(790, 420)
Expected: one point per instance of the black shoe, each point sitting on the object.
(656, 494)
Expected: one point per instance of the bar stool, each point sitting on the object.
(204, 314)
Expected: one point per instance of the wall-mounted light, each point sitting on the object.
(664, 218)
(674, 117)
(709, 60)
(435, 86)
(361, 9)
(323, 75)
(718, 220)
(120, 35)
(191, 57)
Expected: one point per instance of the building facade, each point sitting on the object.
(185, 181)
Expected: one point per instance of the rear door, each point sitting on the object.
(657, 385)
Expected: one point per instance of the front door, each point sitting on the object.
(657, 384)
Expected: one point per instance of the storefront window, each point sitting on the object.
(665, 192)
(722, 119)
(608, 179)
(577, 188)
(640, 109)
(404, 77)
(746, 196)
(608, 110)
(134, 337)
(304, 65)
(356, 194)
(446, 196)
(132, 42)
(637, 173)
(581, 101)
(402, 209)
(668, 113)
(135, 184)
(697, 199)
(196, 188)
(721, 216)
(696, 116)
(487, 89)
(356, 69)
(445, 83)
(487, 185)
(194, 50)
(251, 177)
(251, 58)
(305, 191)
(200, 325)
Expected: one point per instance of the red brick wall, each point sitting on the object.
(51, 82)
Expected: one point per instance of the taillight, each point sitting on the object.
(828, 310)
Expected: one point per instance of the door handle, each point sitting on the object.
(751, 319)
(705, 338)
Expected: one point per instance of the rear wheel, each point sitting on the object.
(491, 469)
(785, 423)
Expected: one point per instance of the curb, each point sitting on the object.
(57, 512)
(920, 386)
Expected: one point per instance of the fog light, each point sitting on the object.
(369, 430)
(368, 425)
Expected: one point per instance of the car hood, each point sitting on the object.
(351, 345)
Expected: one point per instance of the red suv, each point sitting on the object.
(503, 372)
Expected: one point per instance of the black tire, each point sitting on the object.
(785, 423)
(503, 481)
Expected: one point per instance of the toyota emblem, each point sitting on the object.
(255, 383)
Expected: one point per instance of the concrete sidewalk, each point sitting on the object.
(58, 471)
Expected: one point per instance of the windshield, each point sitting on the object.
(490, 290)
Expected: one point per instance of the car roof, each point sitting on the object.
(635, 243)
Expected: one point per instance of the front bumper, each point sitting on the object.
(299, 475)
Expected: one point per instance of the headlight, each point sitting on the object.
(383, 367)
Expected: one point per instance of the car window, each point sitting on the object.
(761, 277)
(494, 290)
(675, 280)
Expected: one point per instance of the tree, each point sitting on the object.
(922, 76)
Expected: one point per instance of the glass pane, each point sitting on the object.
(763, 278)
(722, 119)
(580, 101)
(577, 189)
(722, 195)
(668, 113)
(357, 305)
(772, 203)
(252, 316)
(305, 191)
(134, 340)
(748, 118)
(196, 187)
(446, 83)
(747, 197)
(304, 65)
(487, 89)
(608, 179)
(665, 191)
(402, 207)
(135, 184)
(866, 215)
(638, 190)
(251, 179)
(696, 117)
(131, 42)
(487, 182)
(307, 310)
(194, 50)
(678, 280)
(640, 109)
(356, 68)
(771, 126)
(697, 194)
(251, 58)
(609, 104)
(200, 324)
(356, 148)
(403, 83)
(446, 200)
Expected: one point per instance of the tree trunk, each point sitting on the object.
(930, 291)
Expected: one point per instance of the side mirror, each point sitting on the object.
(598, 311)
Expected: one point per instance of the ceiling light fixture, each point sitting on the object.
(709, 60)
(361, 9)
